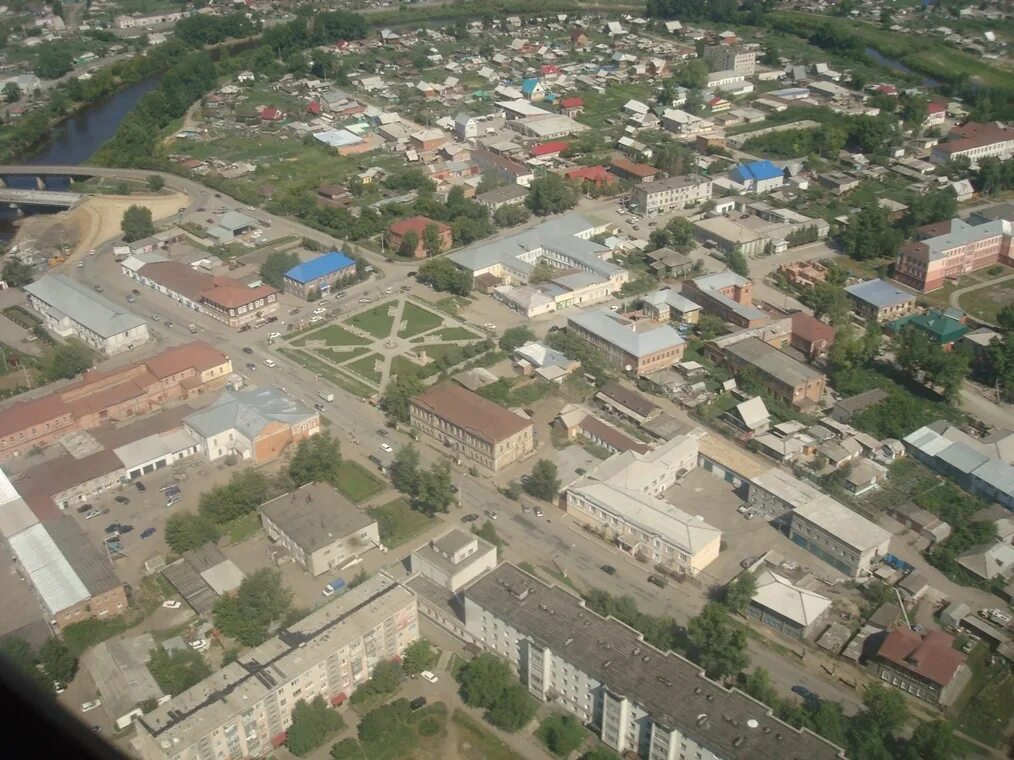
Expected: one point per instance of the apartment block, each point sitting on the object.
(731, 58)
(880, 301)
(926, 264)
(641, 346)
(639, 700)
(671, 193)
(245, 708)
(472, 427)
(975, 142)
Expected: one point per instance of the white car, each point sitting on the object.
(93, 513)
(320, 310)
(199, 645)
(80, 264)
(269, 363)
(428, 676)
(86, 706)
(315, 320)
(91, 252)
(490, 326)
(274, 335)
(171, 604)
(386, 447)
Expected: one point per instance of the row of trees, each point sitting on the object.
(487, 682)
(52, 664)
(442, 275)
(259, 605)
(920, 356)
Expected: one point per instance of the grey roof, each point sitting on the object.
(996, 474)
(989, 561)
(522, 250)
(249, 412)
(454, 540)
(84, 306)
(962, 233)
(119, 669)
(879, 293)
(502, 194)
(671, 689)
(672, 299)
(89, 564)
(773, 362)
(721, 280)
(617, 331)
(234, 220)
(315, 516)
(842, 523)
(961, 457)
(711, 285)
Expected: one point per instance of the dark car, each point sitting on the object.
(272, 318)
(609, 570)
(417, 703)
(413, 273)
(121, 500)
(658, 580)
(136, 292)
(147, 532)
(139, 486)
(126, 529)
(245, 328)
(470, 518)
(805, 693)
(84, 508)
(247, 350)
(251, 366)
(113, 528)
(382, 433)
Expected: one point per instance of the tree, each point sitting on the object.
(515, 337)
(719, 645)
(58, 661)
(886, 708)
(829, 301)
(275, 265)
(1004, 318)
(913, 110)
(933, 740)
(484, 680)
(11, 93)
(870, 234)
(386, 678)
(600, 753)
(693, 74)
(66, 361)
(544, 482)
(739, 593)
(386, 724)
(409, 244)
(436, 490)
(188, 530)
(53, 60)
(313, 723)
(551, 194)
(418, 657)
(245, 491)
(431, 240)
(177, 671)
(394, 402)
(514, 709)
(155, 182)
(404, 470)
(543, 271)
(508, 216)
(136, 223)
(17, 273)
(260, 601)
(441, 274)
(674, 158)
(19, 654)
(562, 733)
(709, 326)
(317, 459)
(737, 262)
(758, 685)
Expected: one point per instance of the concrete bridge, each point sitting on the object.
(48, 198)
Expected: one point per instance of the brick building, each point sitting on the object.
(962, 248)
(643, 346)
(398, 230)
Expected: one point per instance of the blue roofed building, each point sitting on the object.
(320, 274)
(758, 176)
(880, 301)
(533, 89)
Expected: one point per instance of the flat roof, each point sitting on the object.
(315, 516)
(671, 689)
(842, 523)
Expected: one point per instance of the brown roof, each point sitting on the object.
(617, 439)
(811, 329)
(637, 170)
(933, 229)
(113, 437)
(231, 294)
(177, 277)
(973, 135)
(932, 657)
(24, 414)
(469, 411)
(61, 473)
(198, 354)
(631, 399)
(416, 224)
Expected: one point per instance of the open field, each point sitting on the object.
(357, 483)
(984, 303)
(399, 523)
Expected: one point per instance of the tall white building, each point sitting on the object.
(636, 698)
(244, 709)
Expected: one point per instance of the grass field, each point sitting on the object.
(242, 528)
(986, 715)
(456, 333)
(366, 367)
(376, 321)
(332, 335)
(357, 483)
(399, 523)
(326, 371)
(984, 303)
(417, 320)
(452, 304)
(339, 357)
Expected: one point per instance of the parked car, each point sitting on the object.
(470, 518)
(169, 486)
(318, 406)
(171, 604)
(319, 310)
(426, 675)
(274, 335)
(147, 532)
(93, 513)
(490, 514)
(658, 580)
(251, 366)
(387, 448)
(609, 570)
(805, 693)
(113, 528)
(84, 508)
(269, 363)
(121, 500)
(173, 500)
(139, 486)
(417, 704)
(247, 350)
(98, 288)
(315, 320)
(86, 706)
(126, 529)
(539, 512)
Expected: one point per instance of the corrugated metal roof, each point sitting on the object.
(15, 516)
(7, 491)
(52, 575)
(80, 304)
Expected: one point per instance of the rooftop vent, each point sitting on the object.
(710, 697)
(663, 679)
(646, 658)
(698, 690)
(567, 642)
(752, 723)
(607, 663)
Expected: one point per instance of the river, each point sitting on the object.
(895, 65)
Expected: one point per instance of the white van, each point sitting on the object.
(270, 363)
(329, 397)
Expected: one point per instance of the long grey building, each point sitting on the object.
(638, 698)
(70, 308)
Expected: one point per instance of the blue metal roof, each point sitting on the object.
(757, 171)
(528, 86)
(879, 293)
(329, 263)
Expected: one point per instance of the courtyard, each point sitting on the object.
(363, 350)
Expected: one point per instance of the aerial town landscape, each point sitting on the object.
(508, 380)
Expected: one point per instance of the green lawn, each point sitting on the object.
(329, 373)
(456, 333)
(986, 716)
(366, 367)
(399, 523)
(986, 302)
(476, 743)
(376, 321)
(339, 357)
(332, 335)
(357, 483)
(417, 320)
(452, 304)
(242, 528)
(401, 365)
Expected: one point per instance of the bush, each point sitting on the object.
(561, 733)
(312, 724)
(429, 727)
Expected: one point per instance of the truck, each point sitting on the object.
(329, 397)
(334, 587)
(995, 616)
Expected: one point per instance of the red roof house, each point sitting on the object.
(270, 113)
(398, 230)
(887, 89)
(549, 69)
(547, 149)
(810, 335)
(598, 175)
(313, 108)
(924, 666)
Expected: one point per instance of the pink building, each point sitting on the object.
(926, 264)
